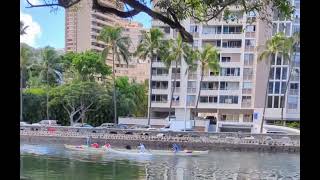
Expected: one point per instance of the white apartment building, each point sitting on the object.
(236, 96)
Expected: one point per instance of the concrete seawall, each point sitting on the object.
(158, 144)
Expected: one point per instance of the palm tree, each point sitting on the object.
(150, 47)
(291, 44)
(50, 67)
(277, 44)
(176, 50)
(119, 46)
(209, 59)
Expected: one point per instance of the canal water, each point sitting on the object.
(46, 162)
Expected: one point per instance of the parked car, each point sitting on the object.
(152, 129)
(46, 123)
(138, 126)
(24, 124)
(82, 125)
(106, 125)
(121, 126)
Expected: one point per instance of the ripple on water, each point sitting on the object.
(55, 162)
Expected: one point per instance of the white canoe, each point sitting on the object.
(85, 148)
(180, 153)
(128, 152)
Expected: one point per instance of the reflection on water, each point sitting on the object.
(55, 162)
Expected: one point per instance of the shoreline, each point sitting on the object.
(158, 144)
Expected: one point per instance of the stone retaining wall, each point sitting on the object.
(154, 142)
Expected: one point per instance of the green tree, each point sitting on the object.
(209, 60)
(79, 98)
(174, 12)
(34, 103)
(85, 66)
(277, 44)
(291, 44)
(118, 45)
(149, 47)
(173, 52)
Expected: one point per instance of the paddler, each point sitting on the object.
(142, 148)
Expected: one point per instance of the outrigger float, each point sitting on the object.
(136, 152)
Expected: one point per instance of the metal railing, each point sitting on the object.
(191, 90)
(175, 75)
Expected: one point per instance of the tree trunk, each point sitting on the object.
(201, 78)
(287, 85)
(114, 88)
(266, 95)
(150, 90)
(173, 88)
(47, 100)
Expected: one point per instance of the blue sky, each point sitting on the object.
(46, 27)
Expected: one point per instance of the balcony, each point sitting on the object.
(173, 64)
(250, 34)
(195, 34)
(191, 90)
(192, 76)
(294, 92)
(176, 90)
(246, 104)
(177, 76)
(246, 91)
(247, 77)
(191, 103)
(249, 48)
(175, 103)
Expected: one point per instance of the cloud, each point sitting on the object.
(33, 31)
(34, 2)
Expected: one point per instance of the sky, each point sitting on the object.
(47, 27)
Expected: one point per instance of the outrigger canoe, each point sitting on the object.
(136, 152)
(85, 148)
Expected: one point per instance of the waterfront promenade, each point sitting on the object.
(162, 140)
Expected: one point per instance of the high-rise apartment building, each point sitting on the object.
(236, 96)
(83, 25)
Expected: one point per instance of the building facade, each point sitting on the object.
(83, 25)
(235, 97)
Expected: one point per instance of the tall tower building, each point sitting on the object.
(83, 25)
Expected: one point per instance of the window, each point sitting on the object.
(231, 44)
(248, 59)
(174, 70)
(283, 87)
(209, 85)
(166, 30)
(232, 29)
(274, 28)
(159, 71)
(177, 84)
(276, 102)
(208, 99)
(278, 72)
(159, 84)
(228, 99)
(211, 30)
(191, 84)
(281, 101)
(251, 28)
(292, 102)
(225, 59)
(159, 98)
(269, 102)
(247, 85)
(272, 73)
(191, 99)
(230, 117)
(249, 43)
(270, 91)
(230, 71)
(284, 73)
(229, 85)
(279, 58)
(276, 87)
(287, 29)
(193, 28)
(195, 43)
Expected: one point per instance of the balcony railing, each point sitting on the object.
(175, 62)
(247, 77)
(250, 34)
(192, 76)
(246, 104)
(191, 103)
(293, 92)
(191, 90)
(246, 91)
(175, 75)
(176, 90)
(195, 34)
(295, 78)
(249, 48)
(175, 103)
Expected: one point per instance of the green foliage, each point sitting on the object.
(86, 65)
(34, 105)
